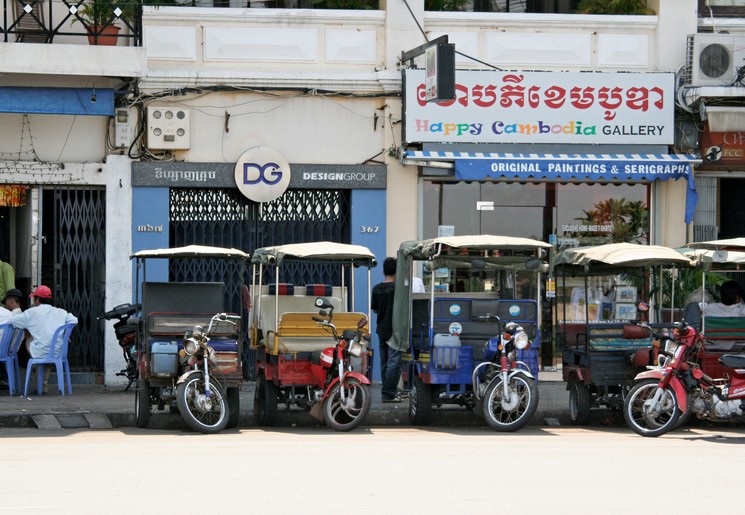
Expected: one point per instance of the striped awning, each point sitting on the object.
(479, 166)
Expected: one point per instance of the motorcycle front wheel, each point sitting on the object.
(513, 411)
(647, 420)
(204, 414)
(348, 413)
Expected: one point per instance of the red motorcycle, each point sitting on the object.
(341, 395)
(678, 386)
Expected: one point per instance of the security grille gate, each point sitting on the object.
(225, 218)
(74, 256)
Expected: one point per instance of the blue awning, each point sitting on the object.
(479, 166)
(71, 101)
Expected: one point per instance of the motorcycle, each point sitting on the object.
(677, 385)
(126, 335)
(508, 389)
(342, 396)
(200, 398)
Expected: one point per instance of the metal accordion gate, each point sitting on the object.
(225, 218)
(74, 257)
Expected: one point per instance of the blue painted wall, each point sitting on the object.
(150, 223)
(368, 229)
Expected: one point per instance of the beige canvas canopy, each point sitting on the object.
(613, 257)
(319, 251)
(197, 251)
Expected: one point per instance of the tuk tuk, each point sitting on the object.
(603, 346)
(304, 298)
(722, 259)
(190, 338)
(475, 285)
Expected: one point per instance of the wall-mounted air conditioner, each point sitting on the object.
(168, 128)
(714, 59)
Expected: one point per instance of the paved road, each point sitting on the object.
(373, 470)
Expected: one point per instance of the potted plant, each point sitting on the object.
(100, 17)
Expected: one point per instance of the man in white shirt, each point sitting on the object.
(12, 305)
(41, 320)
(731, 302)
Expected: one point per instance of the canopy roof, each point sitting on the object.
(737, 244)
(714, 258)
(320, 251)
(614, 257)
(194, 251)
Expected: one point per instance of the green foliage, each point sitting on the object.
(444, 5)
(345, 4)
(102, 12)
(613, 7)
(629, 220)
(689, 280)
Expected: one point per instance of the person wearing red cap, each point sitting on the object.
(41, 320)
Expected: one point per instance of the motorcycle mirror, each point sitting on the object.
(323, 303)
(536, 264)
(642, 306)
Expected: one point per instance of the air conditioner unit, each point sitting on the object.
(714, 59)
(168, 128)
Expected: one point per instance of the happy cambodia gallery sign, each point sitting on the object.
(543, 107)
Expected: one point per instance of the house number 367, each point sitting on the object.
(369, 229)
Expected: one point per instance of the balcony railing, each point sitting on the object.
(68, 21)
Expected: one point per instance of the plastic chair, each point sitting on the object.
(56, 356)
(15, 344)
(6, 337)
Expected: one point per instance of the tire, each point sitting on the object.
(420, 403)
(265, 401)
(513, 413)
(655, 423)
(204, 414)
(234, 403)
(346, 415)
(579, 402)
(142, 404)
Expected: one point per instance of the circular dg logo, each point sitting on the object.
(262, 174)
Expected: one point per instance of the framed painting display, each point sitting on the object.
(625, 312)
(626, 294)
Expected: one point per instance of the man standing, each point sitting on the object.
(382, 305)
(41, 320)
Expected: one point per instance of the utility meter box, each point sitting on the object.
(168, 128)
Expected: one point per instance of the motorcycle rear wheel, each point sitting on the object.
(265, 401)
(420, 403)
(142, 404)
(204, 414)
(579, 402)
(646, 423)
(510, 414)
(345, 416)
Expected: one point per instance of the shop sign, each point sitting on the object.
(222, 175)
(722, 148)
(543, 107)
(262, 174)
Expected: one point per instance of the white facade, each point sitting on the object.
(319, 86)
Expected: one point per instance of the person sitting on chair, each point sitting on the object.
(731, 302)
(12, 302)
(41, 320)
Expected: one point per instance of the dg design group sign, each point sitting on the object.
(543, 107)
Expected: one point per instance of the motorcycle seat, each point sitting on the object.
(733, 360)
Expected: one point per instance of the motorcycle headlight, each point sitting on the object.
(356, 348)
(521, 340)
(670, 347)
(191, 346)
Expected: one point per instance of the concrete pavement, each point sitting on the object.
(100, 407)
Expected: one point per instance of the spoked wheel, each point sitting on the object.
(512, 411)
(234, 403)
(646, 419)
(265, 401)
(142, 404)
(348, 413)
(420, 403)
(202, 413)
(579, 402)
